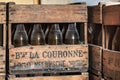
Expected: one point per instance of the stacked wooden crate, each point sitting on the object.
(2, 41)
(22, 60)
(111, 64)
(95, 47)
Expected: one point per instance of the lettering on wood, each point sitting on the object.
(49, 59)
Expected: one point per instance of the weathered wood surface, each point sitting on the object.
(2, 76)
(95, 14)
(94, 77)
(48, 59)
(67, 77)
(2, 60)
(47, 13)
(95, 59)
(111, 15)
(2, 13)
(111, 65)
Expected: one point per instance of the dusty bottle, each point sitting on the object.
(72, 35)
(116, 40)
(37, 35)
(47, 32)
(64, 30)
(20, 37)
(55, 35)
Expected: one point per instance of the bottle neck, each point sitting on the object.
(72, 27)
(20, 28)
(37, 28)
(55, 27)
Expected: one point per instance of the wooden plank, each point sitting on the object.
(111, 64)
(67, 77)
(48, 59)
(20, 1)
(94, 77)
(2, 13)
(55, 1)
(95, 14)
(2, 77)
(111, 15)
(95, 59)
(2, 60)
(47, 13)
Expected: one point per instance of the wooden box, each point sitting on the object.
(28, 59)
(111, 64)
(2, 37)
(67, 77)
(95, 59)
(111, 15)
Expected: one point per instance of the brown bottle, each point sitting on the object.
(55, 35)
(116, 40)
(37, 35)
(72, 35)
(20, 37)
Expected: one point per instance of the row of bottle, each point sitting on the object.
(112, 39)
(53, 35)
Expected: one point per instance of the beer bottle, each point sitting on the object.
(47, 32)
(72, 35)
(20, 37)
(64, 30)
(90, 33)
(55, 35)
(116, 40)
(37, 35)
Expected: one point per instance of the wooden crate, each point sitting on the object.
(111, 15)
(2, 37)
(95, 59)
(67, 77)
(33, 54)
(22, 1)
(111, 64)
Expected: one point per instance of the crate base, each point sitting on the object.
(83, 76)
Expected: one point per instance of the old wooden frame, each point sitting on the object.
(47, 14)
(3, 47)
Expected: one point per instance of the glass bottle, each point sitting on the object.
(72, 35)
(20, 37)
(116, 40)
(55, 35)
(37, 35)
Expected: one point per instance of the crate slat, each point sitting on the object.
(71, 77)
(95, 14)
(47, 13)
(95, 59)
(47, 59)
(111, 64)
(111, 15)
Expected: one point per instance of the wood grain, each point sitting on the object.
(111, 64)
(72, 77)
(23, 60)
(111, 15)
(47, 13)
